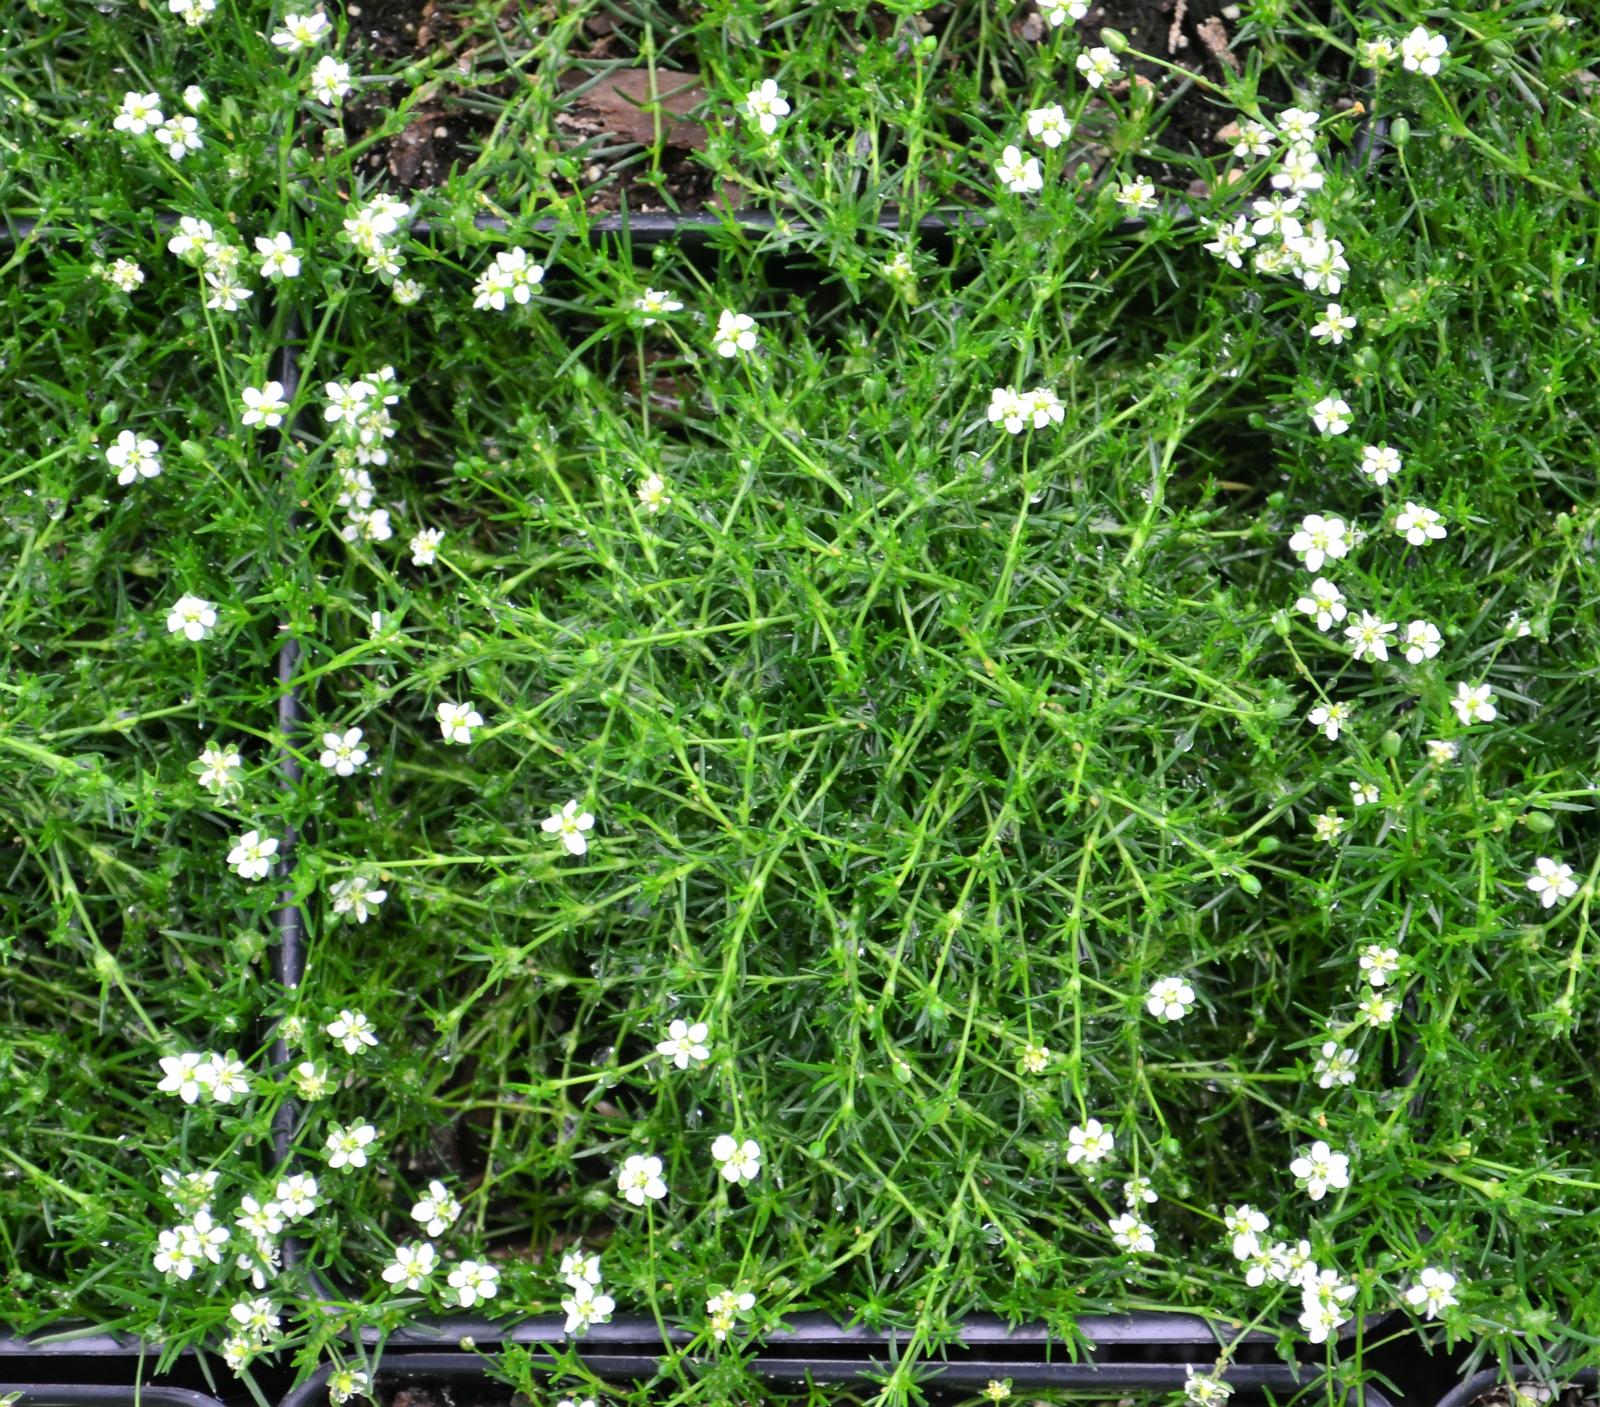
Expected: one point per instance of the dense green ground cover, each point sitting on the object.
(917, 754)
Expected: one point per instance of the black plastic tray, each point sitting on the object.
(1251, 1381)
(104, 1395)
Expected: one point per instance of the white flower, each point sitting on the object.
(264, 405)
(1433, 1292)
(357, 896)
(640, 1177)
(1020, 172)
(302, 32)
(736, 332)
(312, 1080)
(1265, 1263)
(1335, 1066)
(1206, 1391)
(1169, 999)
(172, 1255)
(1331, 415)
(739, 1162)
(1297, 125)
(1422, 641)
(412, 1266)
(407, 292)
(1253, 139)
(1035, 1059)
(570, 824)
(653, 495)
(1320, 1168)
(1137, 194)
(511, 275)
(1334, 326)
(1049, 125)
(438, 1211)
(346, 401)
(193, 617)
(1380, 463)
(180, 135)
(194, 96)
(1378, 963)
(1090, 1142)
(1137, 1191)
(1300, 171)
(652, 303)
(342, 753)
(473, 1281)
(330, 80)
(1244, 1224)
(278, 257)
(353, 1031)
(1377, 53)
(133, 457)
(456, 721)
(765, 104)
(1551, 881)
(251, 856)
(1058, 12)
(425, 546)
(124, 274)
(1131, 1233)
(1474, 703)
(347, 1146)
(189, 1191)
(1043, 406)
(1377, 1010)
(229, 1078)
(296, 1195)
(345, 1383)
(186, 1075)
(225, 292)
(585, 1306)
(1328, 719)
(257, 1318)
(685, 1043)
(580, 1267)
(1368, 637)
(1328, 827)
(1232, 242)
(193, 237)
(1421, 51)
(1006, 408)
(1363, 794)
(1319, 539)
(1097, 65)
(1441, 751)
(1418, 525)
(203, 1239)
(138, 114)
(237, 1350)
(1324, 602)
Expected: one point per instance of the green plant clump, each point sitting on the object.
(969, 739)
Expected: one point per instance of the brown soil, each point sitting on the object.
(620, 111)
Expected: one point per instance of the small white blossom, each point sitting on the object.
(357, 896)
(1324, 602)
(685, 1044)
(639, 1178)
(739, 1162)
(297, 1195)
(1334, 325)
(353, 1030)
(1376, 1009)
(1170, 999)
(764, 104)
(1551, 881)
(347, 1145)
(1422, 641)
(330, 80)
(1474, 703)
(278, 257)
(1097, 65)
(1421, 52)
(302, 32)
(1319, 1168)
(264, 405)
(1328, 719)
(1418, 525)
(1379, 963)
(457, 720)
(1331, 415)
(736, 332)
(1132, 1233)
(413, 1266)
(1137, 195)
(140, 112)
(1433, 1293)
(342, 753)
(1320, 539)
(653, 495)
(134, 458)
(438, 1211)
(1380, 463)
(1363, 794)
(571, 825)
(653, 303)
(1049, 125)
(1335, 1065)
(251, 856)
(1328, 827)
(1090, 1142)
(425, 546)
(585, 1306)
